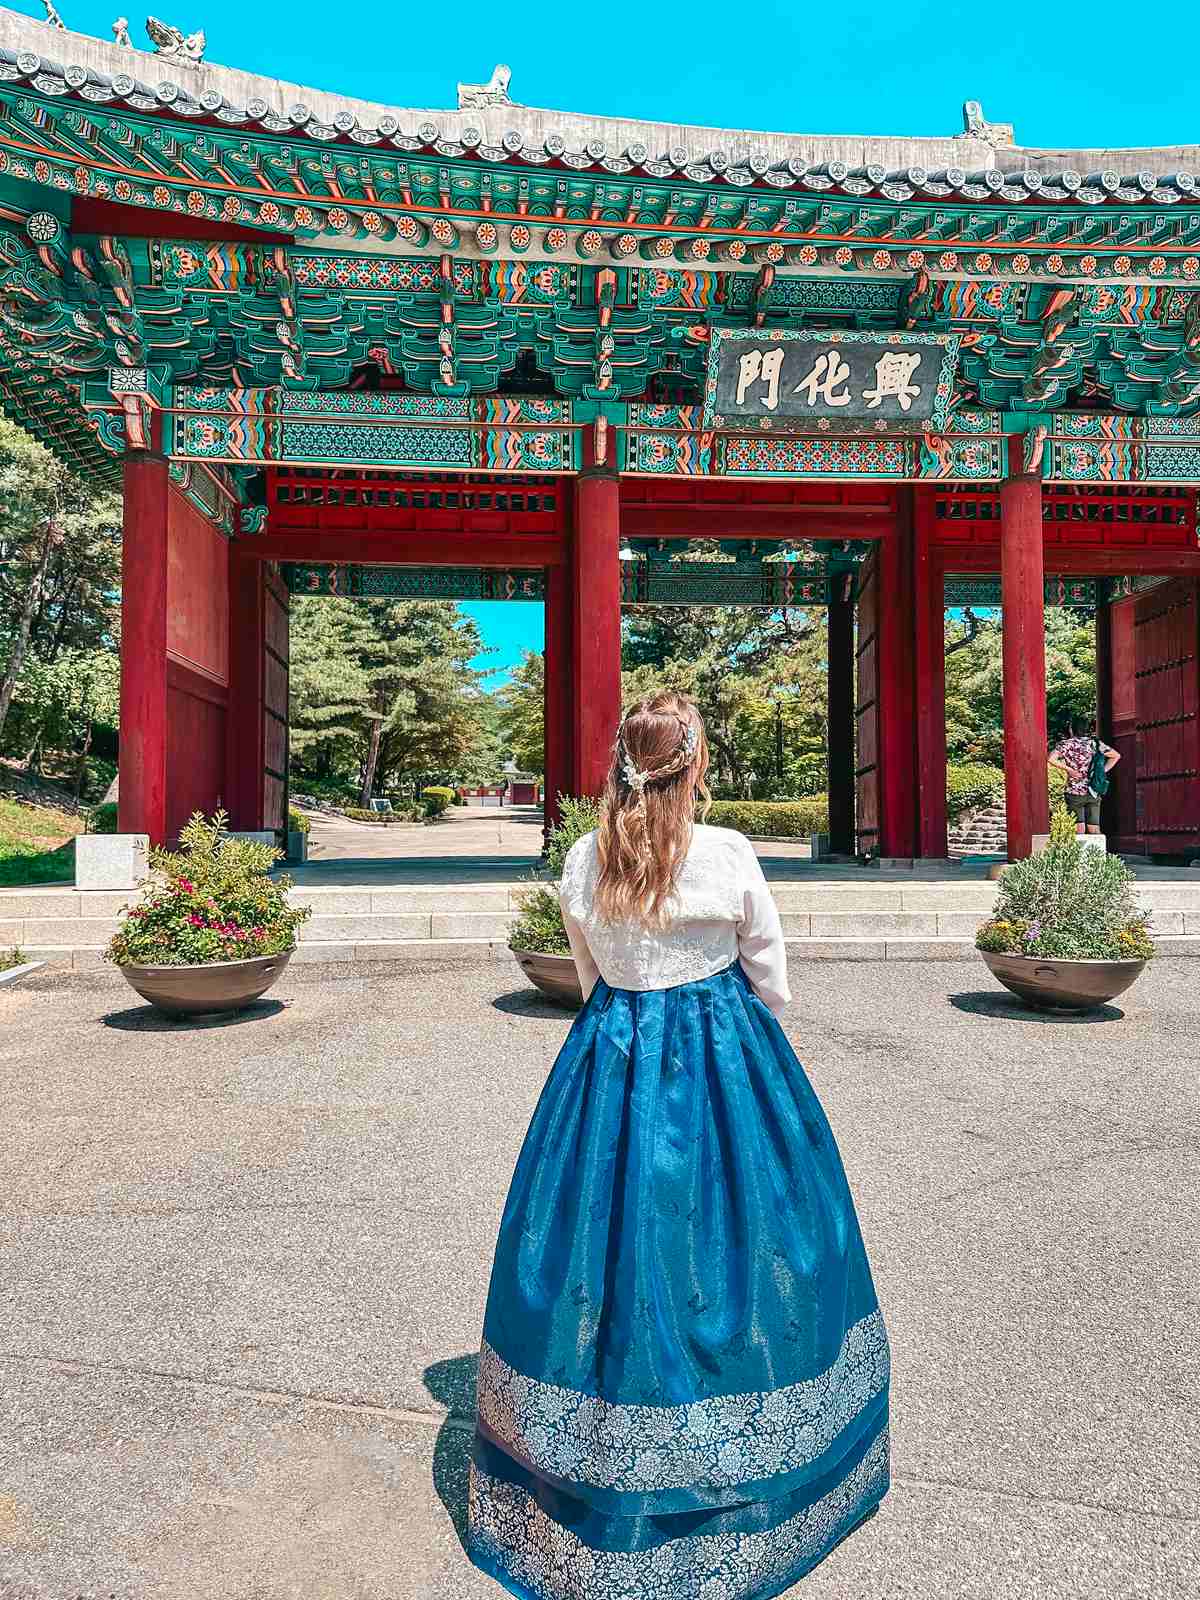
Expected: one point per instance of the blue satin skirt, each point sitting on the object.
(683, 1385)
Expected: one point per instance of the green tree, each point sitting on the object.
(60, 565)
(522, 721)
(329, 684)
(427, 694)
(759, 678)
(975, 679)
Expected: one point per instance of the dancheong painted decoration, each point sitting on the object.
(340, 349)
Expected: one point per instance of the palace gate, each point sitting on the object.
(332, 347)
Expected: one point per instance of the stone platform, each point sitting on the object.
(461, 910)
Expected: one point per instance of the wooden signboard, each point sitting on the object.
(790, 379)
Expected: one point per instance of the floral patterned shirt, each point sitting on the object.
(1076, 754)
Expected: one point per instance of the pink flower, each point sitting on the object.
(259, 933)
(186, 886)
(196, 922)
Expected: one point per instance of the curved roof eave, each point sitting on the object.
(975, 166)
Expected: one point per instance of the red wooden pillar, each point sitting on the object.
(244, 764)
(142, 793)
(839, 731)
(1022, 600)
(930, 665)
(897, 687)
(596, 574)
(559, 766)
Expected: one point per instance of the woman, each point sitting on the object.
(683, 1385)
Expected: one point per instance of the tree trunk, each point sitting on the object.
(29, 606)
(81, 760)
(369, 765)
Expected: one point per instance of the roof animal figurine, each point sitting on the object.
(53, 19)
(175, 46)
(976, 125)
(120, 30)
(492, 93)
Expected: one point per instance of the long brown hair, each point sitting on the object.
(649, 804)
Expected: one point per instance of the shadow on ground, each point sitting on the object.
(529, 1003)
(452, 1384)
(146, 1019)
(987, 1003)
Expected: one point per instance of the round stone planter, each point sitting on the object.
(1062, 985)
(554, 976)
(202, 991)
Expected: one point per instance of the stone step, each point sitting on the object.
(369, 955)
(59, 919)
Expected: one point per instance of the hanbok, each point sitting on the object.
(683, 1383)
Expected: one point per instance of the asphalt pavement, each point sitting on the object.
(243, 1264)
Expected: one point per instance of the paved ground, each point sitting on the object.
(243, 1268)
(472, 844)
(469, 844)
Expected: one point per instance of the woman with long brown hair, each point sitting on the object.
(683, 1385)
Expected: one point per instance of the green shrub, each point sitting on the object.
(539, 924)
(9, 959)
(1058, 788)
(971, 785)
(772, 819)
(1070, 903)
(211, 900)
(297, 821)
(437, 799)
(103, 818)
(362, 814)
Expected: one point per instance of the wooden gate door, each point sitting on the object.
(866, 712)
(1167, 657)
(1116, 660)
(275, 699)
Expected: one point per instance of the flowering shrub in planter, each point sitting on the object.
(209, 901)
(1071, 903)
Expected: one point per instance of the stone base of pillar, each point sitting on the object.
(1093, 841)
(111, 860)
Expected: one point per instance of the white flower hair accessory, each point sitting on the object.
(637, 777)
(634, 776)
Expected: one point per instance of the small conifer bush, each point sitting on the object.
(1071, 903)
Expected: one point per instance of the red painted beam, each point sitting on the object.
(407, 549)
(755, 522)
(1024, 662)
(1134, 560)
(142, 799)
(89, 215)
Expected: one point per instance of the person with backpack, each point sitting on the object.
(1087, 762)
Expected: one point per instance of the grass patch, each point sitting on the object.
(37, 843)
(12, 958)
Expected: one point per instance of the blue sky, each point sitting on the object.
(509, 628)
(1083, 74)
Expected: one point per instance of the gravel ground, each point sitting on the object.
(244, 1263)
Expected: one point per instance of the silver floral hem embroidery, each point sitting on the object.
(510, 1529)
(712, 1444)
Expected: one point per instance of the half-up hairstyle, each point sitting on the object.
(649, 804)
